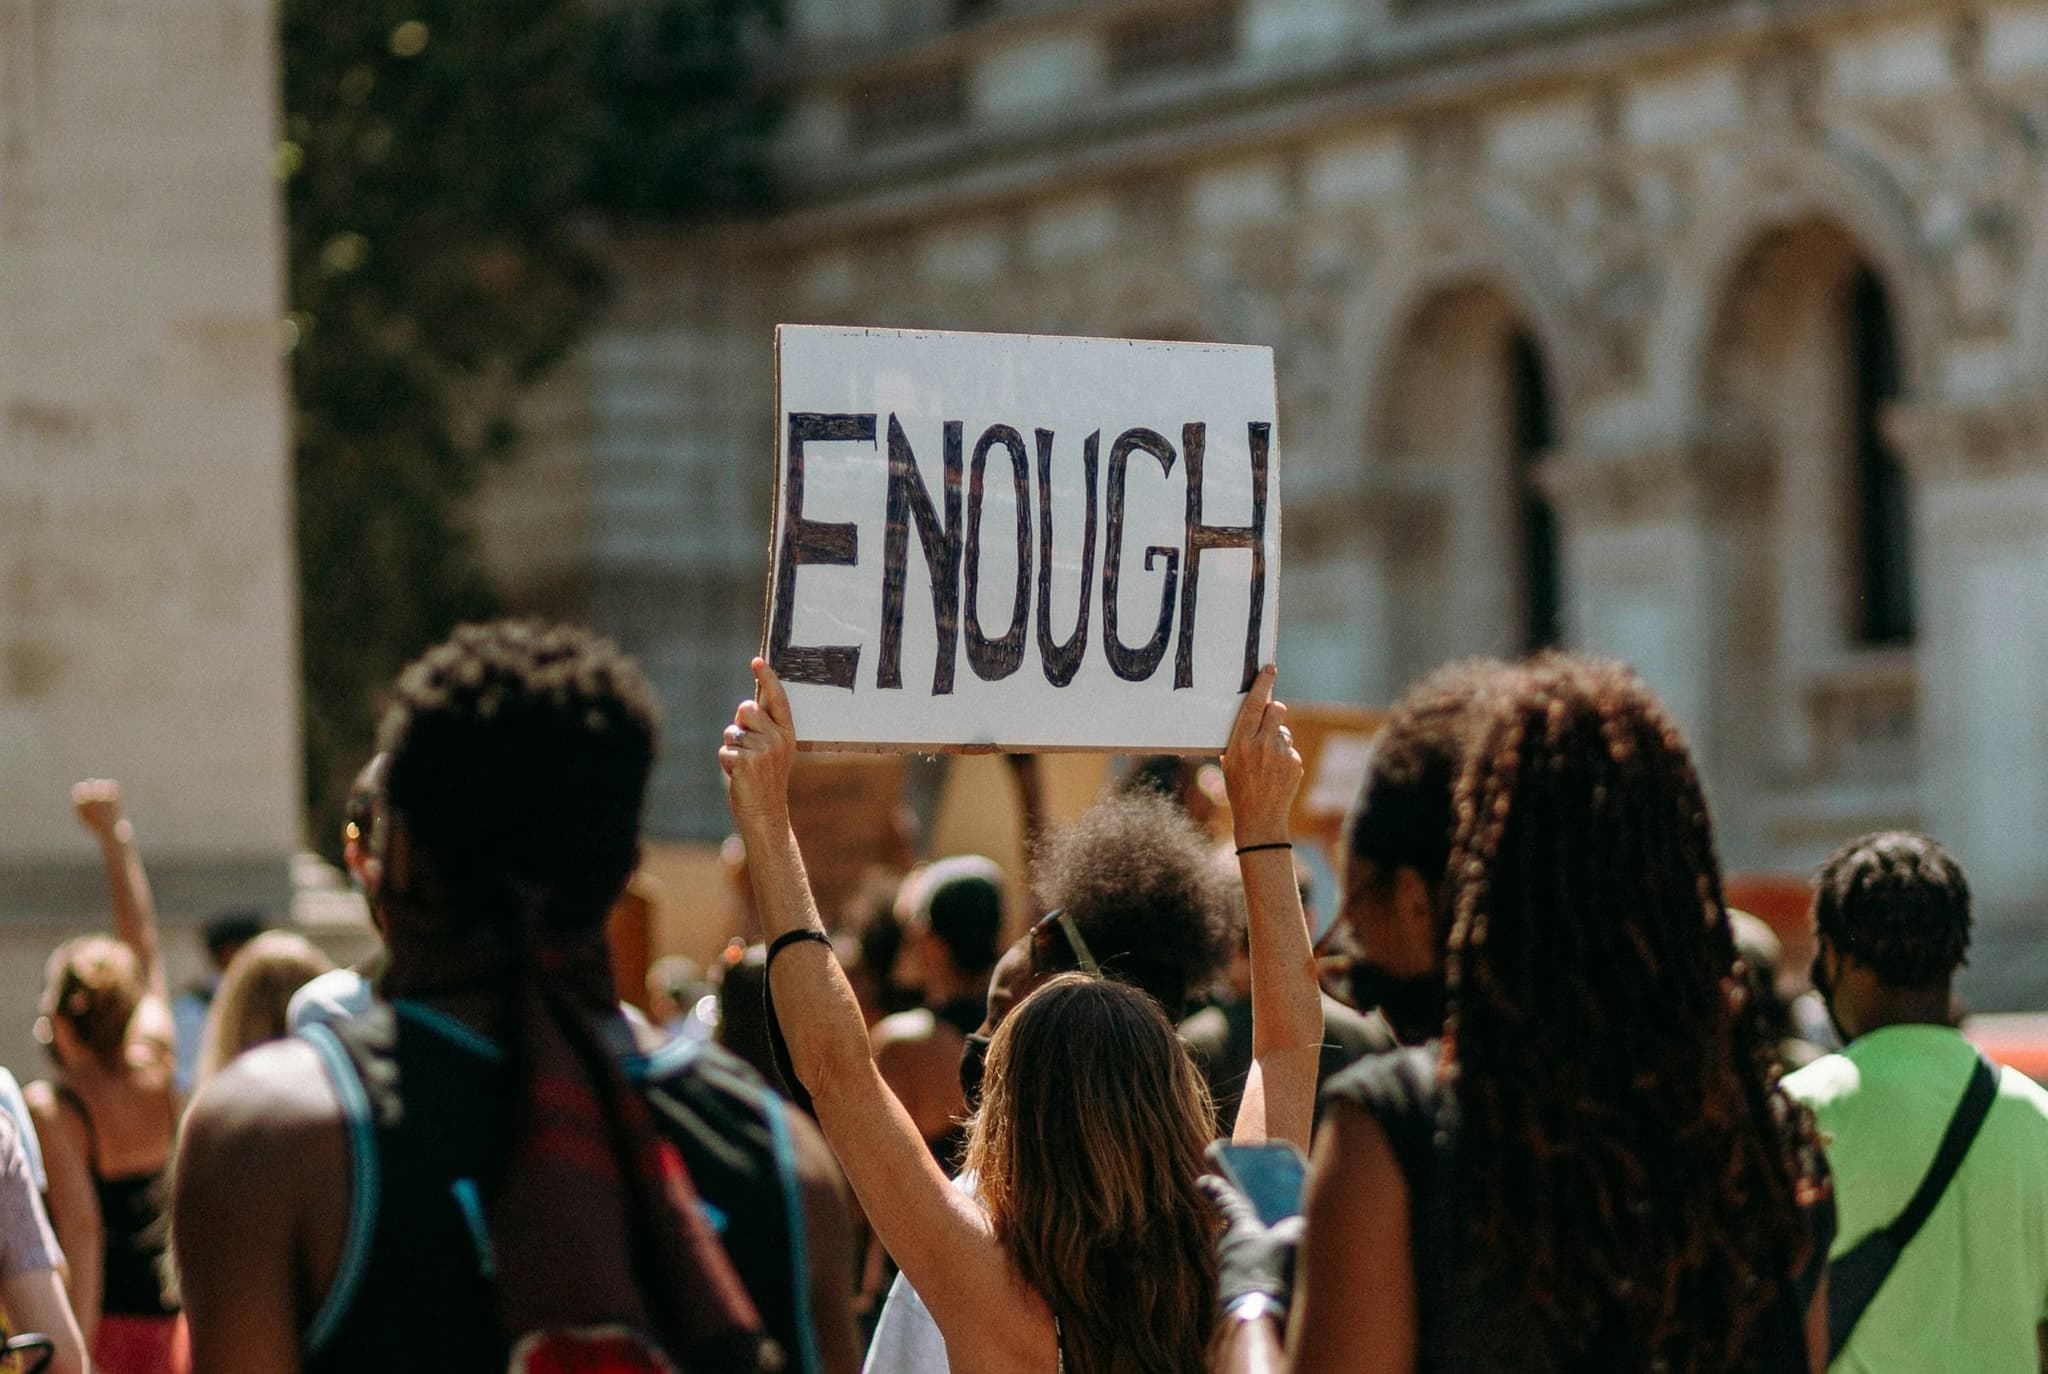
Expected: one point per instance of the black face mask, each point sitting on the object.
(1413, 1004)
(973, 1065)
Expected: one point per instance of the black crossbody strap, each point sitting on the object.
(1855, 1278)
(1955, 1143)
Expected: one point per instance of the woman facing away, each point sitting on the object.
(1594, 1170)
(1089, 1249)
(107, 1115)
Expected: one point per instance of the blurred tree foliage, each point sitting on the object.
(449, 167)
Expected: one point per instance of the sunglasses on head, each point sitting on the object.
(1044, 950)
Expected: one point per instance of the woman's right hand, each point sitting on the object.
(758, 751)
(1261, 769)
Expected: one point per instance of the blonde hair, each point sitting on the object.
(94, 984)
(254, 994)
(1087, 1146)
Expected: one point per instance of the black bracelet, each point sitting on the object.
(793, 937)
(1245, 849)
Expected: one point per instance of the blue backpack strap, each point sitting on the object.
(364, 1184)
(722, 1094)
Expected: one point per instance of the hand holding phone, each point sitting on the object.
(1271, 1176)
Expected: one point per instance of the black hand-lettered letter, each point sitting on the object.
(1202, 537)
(995, 659)
(812, 541)
(1062, 661)
(1135, 665)
(908, 500)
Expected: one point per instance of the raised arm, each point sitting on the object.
(938, 1236)
(1262, 772)
(98, 804)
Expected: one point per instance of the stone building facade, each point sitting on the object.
(147, 614)
(1708, 333)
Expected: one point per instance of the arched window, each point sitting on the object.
(1542, 611)
(1472, 564)
(1884, 516)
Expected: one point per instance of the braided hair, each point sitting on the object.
(1625, 1155)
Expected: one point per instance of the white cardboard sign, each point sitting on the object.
(1021, 542)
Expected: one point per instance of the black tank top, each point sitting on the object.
(429, 1115)
(137, 1234)
(1469, 1319)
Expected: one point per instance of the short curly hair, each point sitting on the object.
(1135, 874)
(520, 753)
(1896, 901)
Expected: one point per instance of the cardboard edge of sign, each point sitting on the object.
(873, 331)
(904, 747)
(775, 441)
(1193, 751)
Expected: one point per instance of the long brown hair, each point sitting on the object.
(1625, 1156)
(1087, 1146)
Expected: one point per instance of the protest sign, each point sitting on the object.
(987, 541)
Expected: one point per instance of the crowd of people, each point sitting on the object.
(1547, 1103)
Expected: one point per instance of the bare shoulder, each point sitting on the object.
(270, 1127)
(1352, 1158)
(153, 1034)
(905, 1028)
(41, 1097)
(53, 1124)
(265, 1108)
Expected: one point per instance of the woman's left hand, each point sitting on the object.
(758, 749)
(1261, 770)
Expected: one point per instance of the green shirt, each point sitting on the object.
(1969, 1292)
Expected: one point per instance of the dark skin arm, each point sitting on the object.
(1817, 1329)
(828, 1225)
(253, 1277)
(1354, 1290)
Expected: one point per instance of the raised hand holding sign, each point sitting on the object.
(874, 430)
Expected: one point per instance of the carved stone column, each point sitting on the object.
(1655, 570)
(1980, 500)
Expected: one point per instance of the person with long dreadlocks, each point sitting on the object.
(1595, 1169)
(492, 1168)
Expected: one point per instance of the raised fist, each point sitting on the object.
(98, 804)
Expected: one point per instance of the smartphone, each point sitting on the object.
(1271, 1175)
